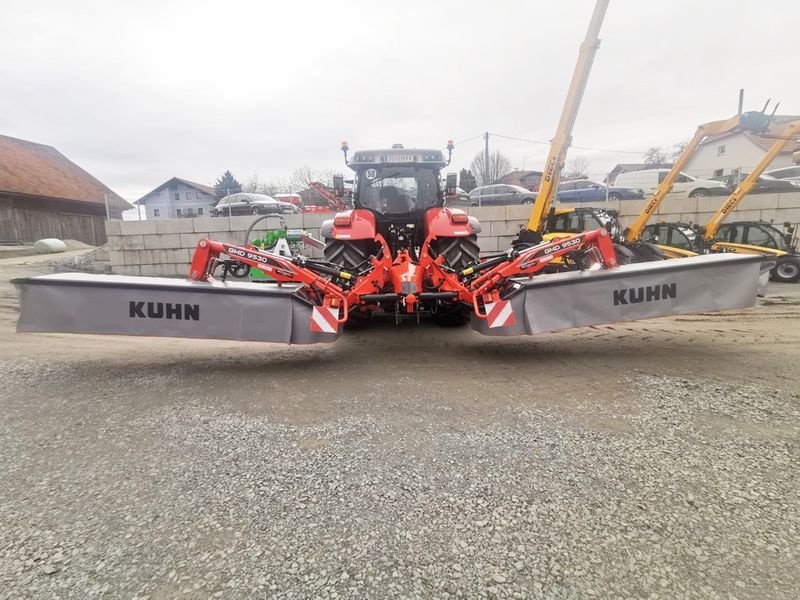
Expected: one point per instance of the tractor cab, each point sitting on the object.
(398, 183)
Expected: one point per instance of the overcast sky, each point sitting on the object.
(139, 91)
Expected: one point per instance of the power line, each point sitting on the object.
(544, 143)
(509, 137)
(474, 137)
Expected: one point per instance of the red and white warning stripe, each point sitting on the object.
(500, 313)
(324, 319)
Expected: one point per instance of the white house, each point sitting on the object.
(178, 198)
(739, 152)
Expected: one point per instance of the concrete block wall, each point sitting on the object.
(501, 224)
(164, 247)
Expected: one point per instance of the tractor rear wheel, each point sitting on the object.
(624, 255)
(348, 254)
(458, 252)
(646, 252)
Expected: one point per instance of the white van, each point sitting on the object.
(649, 179)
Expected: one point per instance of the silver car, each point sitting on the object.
(501, 193)
(244, 203)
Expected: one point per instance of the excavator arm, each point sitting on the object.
(751, 121)
(563, 137)
(789, 133)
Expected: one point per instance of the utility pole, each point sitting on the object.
(486, 158)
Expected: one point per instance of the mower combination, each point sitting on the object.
(400, 251)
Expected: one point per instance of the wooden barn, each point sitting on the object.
(44, 194)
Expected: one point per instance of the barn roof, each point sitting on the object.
(31, 169)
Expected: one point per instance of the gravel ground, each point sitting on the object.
(655, 460)
(666, 503)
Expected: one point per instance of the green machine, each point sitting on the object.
(279, 240)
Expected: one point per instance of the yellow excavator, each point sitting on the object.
(741, 237)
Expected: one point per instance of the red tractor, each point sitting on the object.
(398, 199)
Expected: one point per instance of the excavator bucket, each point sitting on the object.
(153, 306)
(628, 293)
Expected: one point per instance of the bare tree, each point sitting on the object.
(305, 175)
(498, 167)
(677, 149)
(253, 185)
(279, 185)
(655, 156)
(576, 167)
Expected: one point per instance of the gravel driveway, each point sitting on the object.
(646, 461)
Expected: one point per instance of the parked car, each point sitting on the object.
(490, 195)
(764, 184)
(790, 173)
(649, 179)
(290, 198)
(251, 204)
(586, 190)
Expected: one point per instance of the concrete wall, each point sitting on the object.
(165, 247)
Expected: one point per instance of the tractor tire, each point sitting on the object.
(645, 252)
(458, 252)
(624, 255)
(787, 270)
(348, 254)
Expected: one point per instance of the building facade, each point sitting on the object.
(178, 198)
(740, 151)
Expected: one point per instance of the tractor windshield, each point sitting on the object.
(393, 189)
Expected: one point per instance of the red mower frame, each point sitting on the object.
(403, 279)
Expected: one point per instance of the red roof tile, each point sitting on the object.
(38, 170)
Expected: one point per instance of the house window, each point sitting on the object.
(156, 212)
(188, 195)
(190, 212)
(178, 212)
(199, 212)
(721, 150)
(198, 195)
(177, 196)
(718, 172)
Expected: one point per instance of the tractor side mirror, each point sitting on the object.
(338, 185)
(451, 184)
